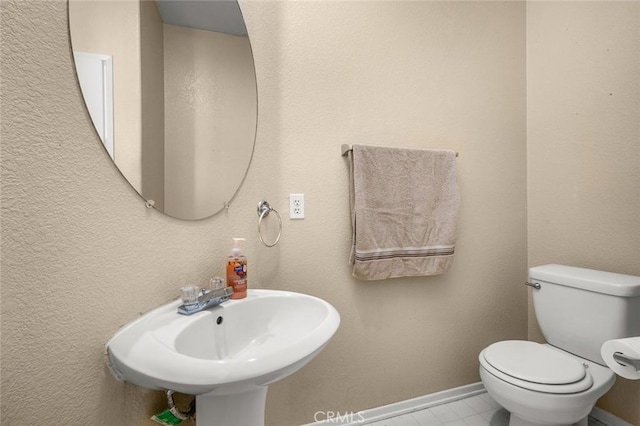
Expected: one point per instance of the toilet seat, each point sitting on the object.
(536, 367)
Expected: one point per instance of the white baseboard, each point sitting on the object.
(607, 418)
(397, 408)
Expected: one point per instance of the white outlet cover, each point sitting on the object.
(296, 206)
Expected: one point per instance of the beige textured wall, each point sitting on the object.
(583, 104)
(81, 255)
(418, 74)
(121, 21)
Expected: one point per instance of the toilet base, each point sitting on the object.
(514, 420)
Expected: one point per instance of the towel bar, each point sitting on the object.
(345, 149)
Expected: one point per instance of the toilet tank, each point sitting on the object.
(579, 309)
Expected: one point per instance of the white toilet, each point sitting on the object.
(559, 383)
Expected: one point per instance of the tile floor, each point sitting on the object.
(477, 410)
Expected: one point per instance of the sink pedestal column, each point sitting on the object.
(245, 408)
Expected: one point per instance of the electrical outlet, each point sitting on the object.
(296, 206)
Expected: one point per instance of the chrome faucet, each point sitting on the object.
(196, 301)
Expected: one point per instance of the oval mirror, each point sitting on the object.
(171, 89)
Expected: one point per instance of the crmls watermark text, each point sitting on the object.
(338, 417)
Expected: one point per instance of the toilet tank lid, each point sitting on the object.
(588, 279)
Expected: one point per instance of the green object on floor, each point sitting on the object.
(166, 418)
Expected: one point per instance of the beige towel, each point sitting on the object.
(404, 210)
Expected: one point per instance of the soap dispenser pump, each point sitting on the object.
(237, 270)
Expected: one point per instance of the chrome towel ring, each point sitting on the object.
(263, 211)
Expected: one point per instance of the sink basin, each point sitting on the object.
(252, 341)
(238, 347)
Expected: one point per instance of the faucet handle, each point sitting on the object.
(216, 283)
(189, 295)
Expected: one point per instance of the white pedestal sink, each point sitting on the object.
(227, 355)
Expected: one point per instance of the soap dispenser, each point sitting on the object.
(237, 270)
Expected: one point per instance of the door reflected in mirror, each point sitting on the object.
(170, 87)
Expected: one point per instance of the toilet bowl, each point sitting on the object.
(542, 385)
(558, 384)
